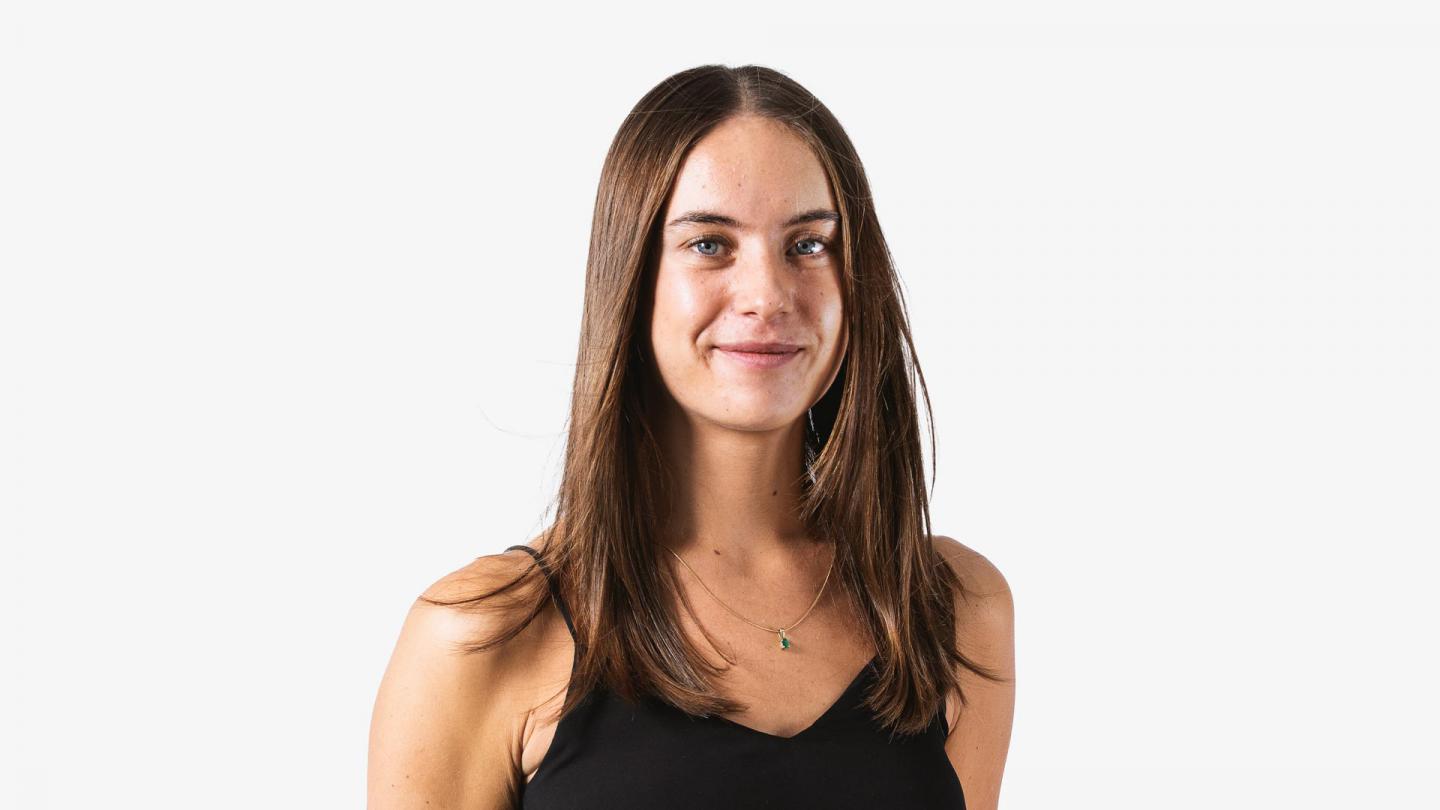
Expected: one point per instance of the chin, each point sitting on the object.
(756, 418)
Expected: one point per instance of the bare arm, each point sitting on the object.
(444, 733)
(979, 740)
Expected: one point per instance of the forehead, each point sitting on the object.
(753, 169)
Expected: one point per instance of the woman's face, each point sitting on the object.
(746, 328)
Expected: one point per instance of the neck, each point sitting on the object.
(736, 494)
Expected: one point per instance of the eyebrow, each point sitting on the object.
(715, 218)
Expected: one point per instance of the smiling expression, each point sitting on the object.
(746, 328)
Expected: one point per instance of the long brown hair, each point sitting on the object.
(864, 485)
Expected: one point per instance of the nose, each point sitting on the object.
(762, 285)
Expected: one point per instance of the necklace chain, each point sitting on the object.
(784, 640)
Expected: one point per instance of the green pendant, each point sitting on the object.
(784, 642)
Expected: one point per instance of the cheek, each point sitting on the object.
(682, 309)
(827, 309)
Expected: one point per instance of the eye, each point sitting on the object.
(706, 240)
(822, 244)
(709, 245)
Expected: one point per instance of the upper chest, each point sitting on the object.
(786, 692)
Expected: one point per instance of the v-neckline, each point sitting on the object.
(835, 706)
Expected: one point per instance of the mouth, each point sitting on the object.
(760, 355)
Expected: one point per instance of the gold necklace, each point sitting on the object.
(784, 639)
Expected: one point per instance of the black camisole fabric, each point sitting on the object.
(610, 753)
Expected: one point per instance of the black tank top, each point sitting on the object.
(610, 753)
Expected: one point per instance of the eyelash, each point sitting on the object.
(718, 239)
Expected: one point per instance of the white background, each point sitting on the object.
(289, 305)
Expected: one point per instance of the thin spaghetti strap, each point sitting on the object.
(554, 590)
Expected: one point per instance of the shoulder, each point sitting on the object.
(984, 605)
(447, 723)
(975, 571)
(482, 574)
(441, 631)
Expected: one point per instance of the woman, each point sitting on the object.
(739, 603)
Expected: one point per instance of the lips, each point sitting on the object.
(759, 355)
(755, 347)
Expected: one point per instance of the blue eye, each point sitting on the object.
(717, 242)
(816, 241)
